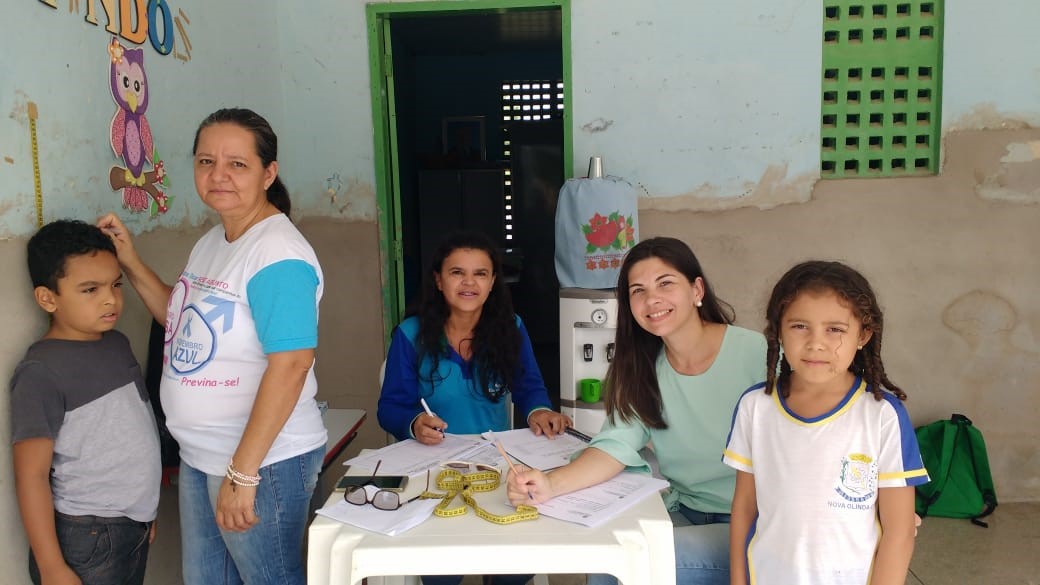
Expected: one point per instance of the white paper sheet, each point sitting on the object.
(411, 457)
(389, 523)
(538, 451)
(595, 505)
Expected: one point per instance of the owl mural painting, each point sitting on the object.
(132, 137)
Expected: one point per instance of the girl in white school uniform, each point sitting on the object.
(825, 454)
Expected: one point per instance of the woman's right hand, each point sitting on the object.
(428, 430)
(115, 229)
(528, 487)
(62, 575)
(153, 291)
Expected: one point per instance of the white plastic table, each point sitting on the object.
(635, 546)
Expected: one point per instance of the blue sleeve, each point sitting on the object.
(911, 470)
(282, 299)
(529, 391)
(399, 397)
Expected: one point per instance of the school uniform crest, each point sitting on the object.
(857, 481)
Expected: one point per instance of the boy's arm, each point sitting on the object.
(32, 468)
(743, 513)
(896, 513)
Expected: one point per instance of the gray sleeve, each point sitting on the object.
(37, 406)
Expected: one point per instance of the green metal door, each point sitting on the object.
(388, 188)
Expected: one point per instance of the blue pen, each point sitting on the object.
(426, 407)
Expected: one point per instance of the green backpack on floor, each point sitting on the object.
(961, 486)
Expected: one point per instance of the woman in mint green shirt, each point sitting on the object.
(680, 367)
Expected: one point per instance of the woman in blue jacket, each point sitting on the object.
(464, 352)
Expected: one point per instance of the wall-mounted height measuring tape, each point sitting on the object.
(33, 114)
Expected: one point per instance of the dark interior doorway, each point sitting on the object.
(470, 155)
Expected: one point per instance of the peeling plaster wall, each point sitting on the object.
(54, 58)
(688, 98)
(956, 273)
(719, 105)
(991, 75)
(324, 78)
(61, 63)
(713, 110)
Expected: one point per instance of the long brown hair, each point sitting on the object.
(496, 338)
(631, 383)
(854, 290)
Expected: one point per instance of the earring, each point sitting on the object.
(699, 304)
(859, 347)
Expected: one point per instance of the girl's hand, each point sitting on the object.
(152, 532)
(548, 422)
(235, 507)
(529, 486)
(428, 430)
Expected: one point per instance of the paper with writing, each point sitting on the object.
(410, 457)
(538, 451)
(595, 505)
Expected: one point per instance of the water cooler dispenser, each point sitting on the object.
(588, 321)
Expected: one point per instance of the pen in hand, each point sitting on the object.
(508, 461)
(426, 407)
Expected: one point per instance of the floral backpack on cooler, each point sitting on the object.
(596, 224)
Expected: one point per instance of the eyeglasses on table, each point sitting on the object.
(381, 499)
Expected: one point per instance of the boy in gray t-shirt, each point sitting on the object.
(86, 448)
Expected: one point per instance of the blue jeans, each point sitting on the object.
(101, 551)
(271, 552)
(701, 549)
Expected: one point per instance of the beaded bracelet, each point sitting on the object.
(239, 478)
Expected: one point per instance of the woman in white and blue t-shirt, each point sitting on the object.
(238, 386)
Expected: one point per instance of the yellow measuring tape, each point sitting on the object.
(455, 483)
(33, 114)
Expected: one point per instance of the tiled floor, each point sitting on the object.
(949, 552)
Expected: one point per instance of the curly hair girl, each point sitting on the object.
(853, 290)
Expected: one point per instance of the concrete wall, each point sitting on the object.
(712, 108)
(956, 273)
(60, 62)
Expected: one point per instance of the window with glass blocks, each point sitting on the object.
(882, 65)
